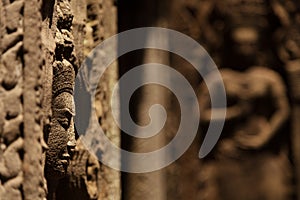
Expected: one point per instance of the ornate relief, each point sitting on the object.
(11, 117)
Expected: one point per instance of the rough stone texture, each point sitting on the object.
(60, 69)
(33, 186)
(82, 180)
(102, 24)
(41, 49)
(62, 85)
(11, 65)
(86, 177)
(43, 43)
(21, 136)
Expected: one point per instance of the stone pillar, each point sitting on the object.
(21, 136)
(33, 131)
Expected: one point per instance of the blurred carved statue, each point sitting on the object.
(241, 30)
(249, 162)
(288, 35)
(288, 38)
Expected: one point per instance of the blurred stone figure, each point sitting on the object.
(288, 48)
(288, 34)
(250, 24)
(243, 32)
(269, 108)
(249, 161)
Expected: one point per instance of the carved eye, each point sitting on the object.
(64, 122)
(89, 177)
(64, 118)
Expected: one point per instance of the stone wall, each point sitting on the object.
(42, 45)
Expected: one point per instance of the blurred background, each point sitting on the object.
(255, 44)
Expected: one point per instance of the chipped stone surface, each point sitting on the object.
(63, 45)
(82, 180)
(11, 108)
(33, 186)
(60, 135)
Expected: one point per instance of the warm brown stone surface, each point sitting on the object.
(44, 42)
(257, 112)
(12, 115)
(239, 34)
(42, 46)
(33, 186)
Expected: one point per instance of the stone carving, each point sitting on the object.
(244, 27)
(288, 35)
(10, 170)
(288, 43)
(256, 113)
(100, 24)
(94, 26)
(61, 137)
(62, 128)
(82, 181)
(11, 117)
(41, 46)
(238, 34)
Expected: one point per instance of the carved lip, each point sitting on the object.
(64, 162)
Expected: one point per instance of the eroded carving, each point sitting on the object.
(94, 26)
(12, 64)
(82, 181)
(10, 164)
(62, 134)
(256, 113)
(11, 117)
(242, 32)
(62, 126)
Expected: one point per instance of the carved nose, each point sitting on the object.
(66, 156)
(71, 147)
(71, 144)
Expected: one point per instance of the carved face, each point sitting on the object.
(245, 40)
(61, 139)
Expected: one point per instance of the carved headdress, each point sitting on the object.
(63, 77)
